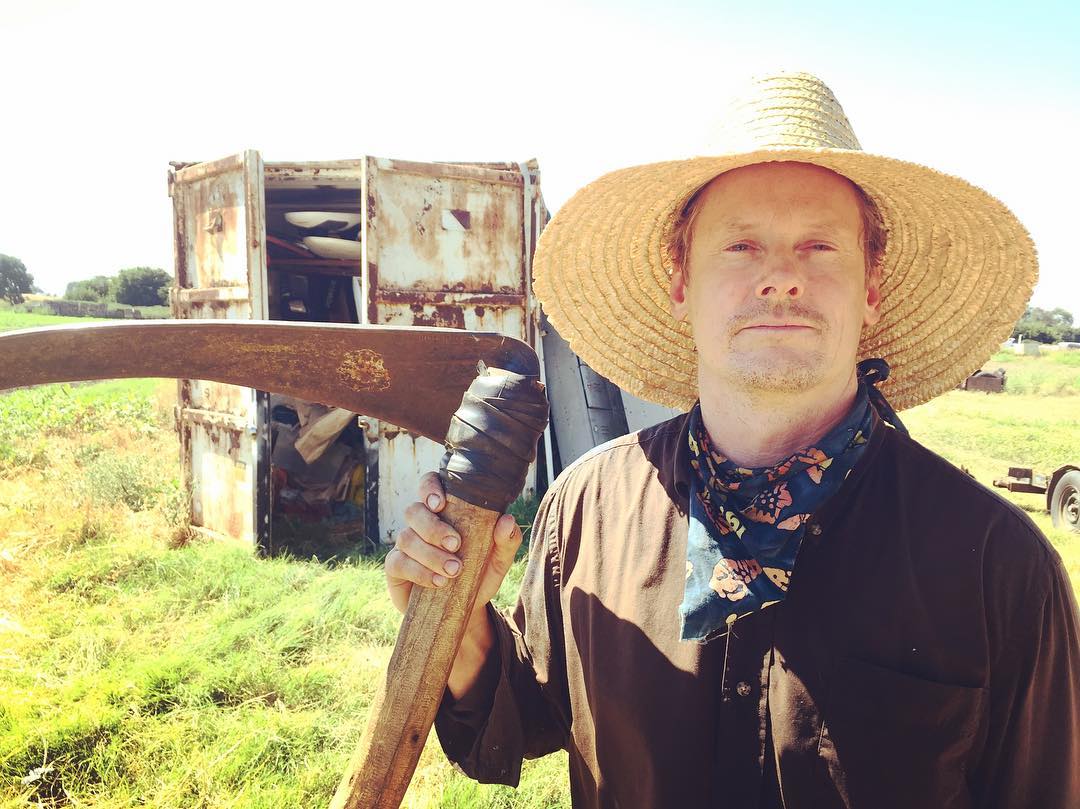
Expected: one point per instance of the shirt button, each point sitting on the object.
(815, 529)
(743, 689)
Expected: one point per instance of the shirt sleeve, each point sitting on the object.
(1032, 754)
(519, 706)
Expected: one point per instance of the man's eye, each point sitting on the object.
(741, 247)
(821, 247)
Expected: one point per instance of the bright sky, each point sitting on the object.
(97, 97)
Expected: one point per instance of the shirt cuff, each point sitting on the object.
(481, 732)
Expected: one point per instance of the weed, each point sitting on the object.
(115, 479)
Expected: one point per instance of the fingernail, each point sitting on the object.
(433, 501)
(451, 543)
(438, 580)
(452, 566)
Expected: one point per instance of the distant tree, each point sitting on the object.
(98, 288)
(15, 281)
(1045, 325)
(141, 286)
(1061, 317)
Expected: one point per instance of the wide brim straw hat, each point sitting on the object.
(957, 272)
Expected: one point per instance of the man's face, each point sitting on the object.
(775, 286)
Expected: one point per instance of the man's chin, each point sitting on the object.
(778, 374)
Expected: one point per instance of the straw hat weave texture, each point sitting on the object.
(958, 268)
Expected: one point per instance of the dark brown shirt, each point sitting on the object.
(927, 654)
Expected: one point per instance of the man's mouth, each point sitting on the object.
(780, 327)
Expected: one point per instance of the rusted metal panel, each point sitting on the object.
(459, 231)
(223, 490)
(985, 381)
(401, 456)
(219, 248)
(501, 319)
(445, 245)
(504, 173)
(229, 293)
(308, 174)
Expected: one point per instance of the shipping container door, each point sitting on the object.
(444, 245)
(220, 273)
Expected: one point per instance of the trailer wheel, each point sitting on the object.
(1065, 502)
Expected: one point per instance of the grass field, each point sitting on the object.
(24, 316)
(140, 668)
(11, 319)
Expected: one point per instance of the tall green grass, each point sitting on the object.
(33, 419)
(27, 315)
(1054, 373)
(137, 673)
(203, 676)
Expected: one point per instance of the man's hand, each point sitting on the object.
(424, 554)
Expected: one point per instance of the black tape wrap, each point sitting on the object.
(492, 439)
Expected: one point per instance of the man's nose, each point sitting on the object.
(782, 280)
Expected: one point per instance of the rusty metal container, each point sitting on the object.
(985, 381)
(441, 244)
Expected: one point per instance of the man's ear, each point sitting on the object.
(677, 293)
(872, 312)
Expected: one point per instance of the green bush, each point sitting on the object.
(143, 286)
(98, 289)
(117, 479)
(64, 410)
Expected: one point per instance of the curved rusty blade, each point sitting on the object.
(411, 376)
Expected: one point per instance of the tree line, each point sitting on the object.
(1047, 326)
(135, 286)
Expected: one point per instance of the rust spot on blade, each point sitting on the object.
(364, 370)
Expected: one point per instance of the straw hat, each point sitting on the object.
(957, 272)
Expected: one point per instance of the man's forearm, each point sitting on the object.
(474, 651)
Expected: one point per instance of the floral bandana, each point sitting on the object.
(746, 525)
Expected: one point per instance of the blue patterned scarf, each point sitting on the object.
(746, 525)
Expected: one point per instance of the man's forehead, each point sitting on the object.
(785, 179)
(738, 199)
(818, 224)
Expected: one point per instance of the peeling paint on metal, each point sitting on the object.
(219, 233)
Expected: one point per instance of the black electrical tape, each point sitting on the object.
(492, 439)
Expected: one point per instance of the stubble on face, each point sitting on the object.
(774, 365)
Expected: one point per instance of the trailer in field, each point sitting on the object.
(1061, 487)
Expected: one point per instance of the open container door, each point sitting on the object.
(220, 259)
(450, 245)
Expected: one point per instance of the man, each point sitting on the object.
(778, 598)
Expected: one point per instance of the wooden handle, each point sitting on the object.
(408, 699)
